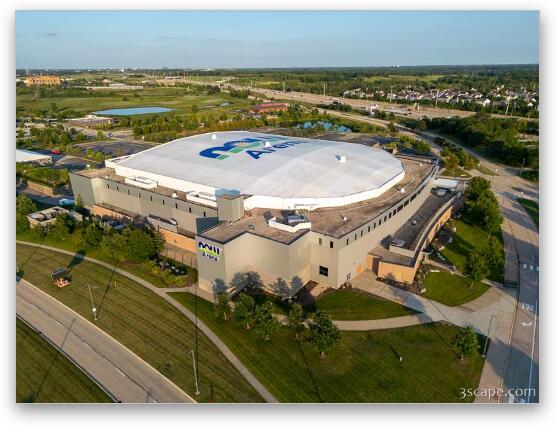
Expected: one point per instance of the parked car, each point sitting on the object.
(56, 151)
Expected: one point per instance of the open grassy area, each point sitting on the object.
(141, 321)
(176, 98)
(466, 239)
(450, 289)
(45, 375)
(352, 304)
(532, 208)
(457, 172)
(364, 368)
(486, 171)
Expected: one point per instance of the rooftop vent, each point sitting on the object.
(174, 195)
(268, 144)
(402, 190)
(344, 218)
(214, 137)
(251, 227)
(341, 158)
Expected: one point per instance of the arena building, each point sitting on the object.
(292, 208)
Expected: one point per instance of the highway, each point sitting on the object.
(122, 373)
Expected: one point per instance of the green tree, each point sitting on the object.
(296, 320)
(323, 333)
(491, 254)
(79, 207)
(39, 232)
(140, 245)
(115, 245)
(265, 321)
(451, 162)
(244, 310)
(467, 341)
(100, 135)
(92, 236)
(194, 109)
(24, 205)
(62, 227)
(476, 267)
(222, 306)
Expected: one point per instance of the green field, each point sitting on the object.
(486, 171)
(450, 289)
(364, 368)
(532, 208)
(349, 304)
(466, 239)
(45, 375)
(457, 172)
(176, 98)
(141, 321)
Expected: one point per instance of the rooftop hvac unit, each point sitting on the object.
(214, 137)
(268, 144)
(174, 195)
(342, 158)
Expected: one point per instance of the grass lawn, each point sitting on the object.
(467, 238)
(364, 368)
(176, 98)
(451, 290)
(141, 321)
(532, 208)
(486, 171)
(352, 304)
(457, 172)
(45, 375)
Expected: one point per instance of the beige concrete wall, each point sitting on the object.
(404, 273)
(178, 240)
(43, 189)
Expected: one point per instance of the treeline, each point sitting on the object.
(495, 137)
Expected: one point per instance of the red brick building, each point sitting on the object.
(268, 107)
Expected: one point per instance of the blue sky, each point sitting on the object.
(239, 39)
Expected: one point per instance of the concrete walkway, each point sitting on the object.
(478, 313)
(252, 380)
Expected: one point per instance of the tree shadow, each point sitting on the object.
(77, 258)
(311, 378)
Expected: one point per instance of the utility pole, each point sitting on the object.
(324, 84)
(283, 87)
(92, 303)
(436, 97)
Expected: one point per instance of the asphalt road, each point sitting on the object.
(126, 376)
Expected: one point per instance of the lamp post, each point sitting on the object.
(195, 372)
(93, 308)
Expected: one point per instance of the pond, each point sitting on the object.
(133, 111)
(326, 126)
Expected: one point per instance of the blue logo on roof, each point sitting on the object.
(268, 145)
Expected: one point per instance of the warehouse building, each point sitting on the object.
(292, 208)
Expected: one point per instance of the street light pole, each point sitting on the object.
(92, 303)
(195, 372)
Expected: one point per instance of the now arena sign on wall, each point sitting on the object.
(209, 251)
(255, 147)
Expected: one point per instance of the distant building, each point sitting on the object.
(268, 107)
(24, 156)
(43, 80)
(90, 120)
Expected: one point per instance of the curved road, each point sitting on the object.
(125, 376)
(252, 380)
